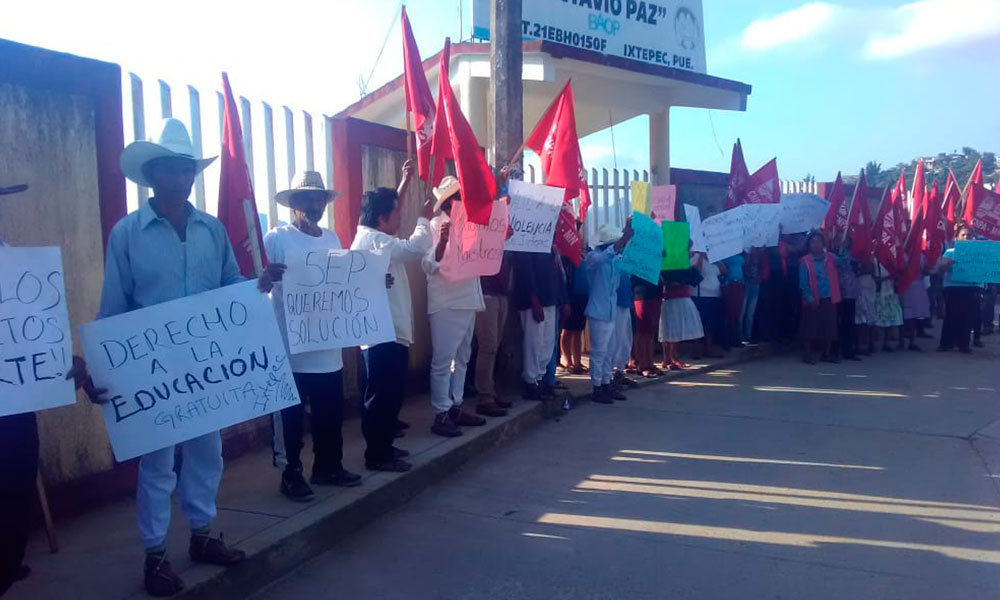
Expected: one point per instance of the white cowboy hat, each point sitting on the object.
(174, 140)
(446, 189)
(305, 181)
(608, 234)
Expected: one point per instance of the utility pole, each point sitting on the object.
(506, 118)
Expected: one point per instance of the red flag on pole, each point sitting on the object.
(237, 207)
(557, 144)
(835, 221)
(887, 247)
(738, 174)
(859, 227)
(951, 197)
(900, 222)
(936, 228)
(917, 193)
(912, 252)
(419, 100)
(479, 188)
(762, 187)
(973, 193)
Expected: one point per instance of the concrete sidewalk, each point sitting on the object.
(101, 557)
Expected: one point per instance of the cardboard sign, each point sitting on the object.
(802, 212)
(693, 217)
(724, 234)
(474, 250)
(644, 253)
(534, 210)
(662, 202)
(986, 221)
(976, 262)
(35, 346)
(185, 368)
(640, 197)
(761, 225)
(568, 241)
(337, 299)
(676, 237)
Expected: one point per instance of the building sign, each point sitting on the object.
(668, 33)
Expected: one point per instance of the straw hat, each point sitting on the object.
(608, 234)
(446, 189)
(305, 181)
(173, 141)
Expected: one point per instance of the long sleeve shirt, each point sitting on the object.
(536, 274)
(604, 275)
(401, 252)
(442, 293)
(148, 264)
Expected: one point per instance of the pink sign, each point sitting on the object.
(475, 250)
(662, 200)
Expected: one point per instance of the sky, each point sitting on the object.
(835, 84)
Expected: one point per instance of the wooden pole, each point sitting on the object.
(506, 85)
(409, 136)
(50, 527)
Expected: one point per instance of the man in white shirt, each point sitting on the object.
(387, 364)
(318, 374)
(452, 306)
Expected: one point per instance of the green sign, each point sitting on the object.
(676, 235)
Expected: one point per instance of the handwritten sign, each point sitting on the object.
(568, 241)
(761, 225)
(693, 217)
(977, 262)
(337, 299)
(640, 197)
(35, 346)
(644, 253)
(534, 210)
(724, 234)
(802, 212)
(474, 250)
(185, 368)
(986, 221)
(676, 237)
(662, 202)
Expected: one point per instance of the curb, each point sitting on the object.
(282, 548)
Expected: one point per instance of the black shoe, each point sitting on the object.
(399, 452)
(490, 409)
(611, 392)
(340, 478)
(213, 551)
(444, 426)
(294, 487)
(159, 577)
(532, 392)
(464, 419)
(599, 396)
(391, 466)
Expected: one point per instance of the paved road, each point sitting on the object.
(777, 480)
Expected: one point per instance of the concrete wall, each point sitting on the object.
(47, 140)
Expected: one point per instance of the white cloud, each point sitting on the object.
(795, 25)
(931, 23)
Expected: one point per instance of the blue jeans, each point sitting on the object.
(550, 372)
(749, 310)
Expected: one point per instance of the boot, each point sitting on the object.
(213, 551)
(490, 409)
(612, 393)
(600, 396)
(159, 576)
(444, 426)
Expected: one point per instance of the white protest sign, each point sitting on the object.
(337, 299)
(35, 346)
(802, 212)
(761, 225)
(185, 368)
(533, 213)
(724, 233)
(693, 216)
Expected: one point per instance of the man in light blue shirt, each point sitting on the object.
(604, 275)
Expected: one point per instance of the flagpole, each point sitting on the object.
(409, 136)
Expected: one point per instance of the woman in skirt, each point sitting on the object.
(916, 306)
(888, 311)
(864, 312)
(679, 319)
(820, 296)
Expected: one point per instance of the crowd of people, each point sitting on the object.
(839, 307)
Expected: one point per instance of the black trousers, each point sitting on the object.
(847, 339)
(324, 392)
(961, 305)
(386, 368)
(18, 470)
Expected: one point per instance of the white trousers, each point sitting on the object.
(602, 335)
(621, 347)
(197, 486)
(451, 337)
(539, 342)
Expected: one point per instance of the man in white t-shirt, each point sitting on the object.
(388, 364)
(319, 374)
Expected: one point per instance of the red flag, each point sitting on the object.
(763, 186)
(900, 222)
(567, 240)
(738, 174)
(936, 233)
(556, 143)
(973, 193)
(951, 197)
(479, 188)
(859, 227)
(237, 207)
(912, 252)
(418, 100)
(887, 246)
(835, 221)
(917, 192)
